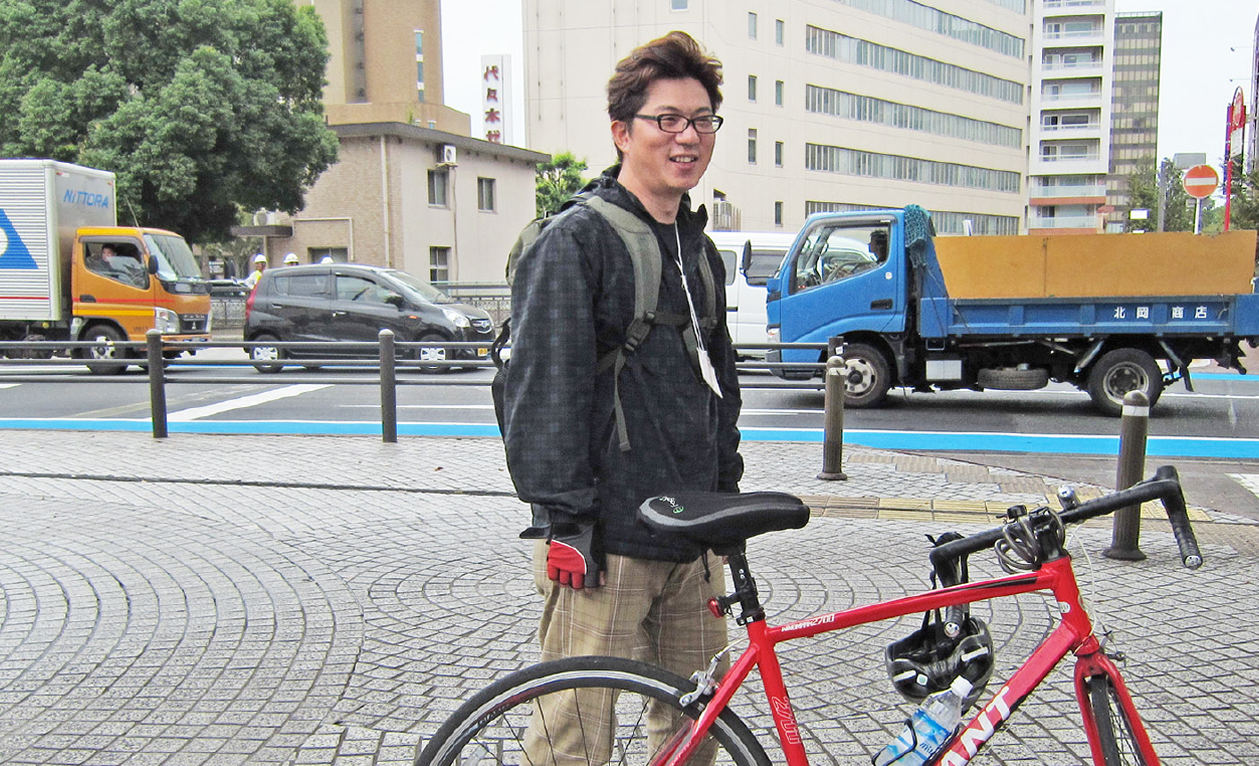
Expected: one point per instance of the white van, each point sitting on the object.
(745, 293)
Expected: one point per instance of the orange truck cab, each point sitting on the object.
(67, 272)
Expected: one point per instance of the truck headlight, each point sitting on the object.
(457, 318)
(165, 321)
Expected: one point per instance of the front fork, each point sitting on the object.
(1092, 662)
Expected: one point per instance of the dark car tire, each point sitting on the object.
(425, 356)
(1120, 371)
(266, 358)
(99, 356)
(867, 376)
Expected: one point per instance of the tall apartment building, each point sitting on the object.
(411, 189)
(829, 105)
(1069, 157)
(1134, 108)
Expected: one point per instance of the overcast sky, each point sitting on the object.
(1208, 46)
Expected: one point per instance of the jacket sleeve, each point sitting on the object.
(549, 394)
(722, 353)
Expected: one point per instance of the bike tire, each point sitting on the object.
(490, 728)
(1115, 732)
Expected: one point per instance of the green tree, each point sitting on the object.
(558, 180)
(1245, 208)
(201, 107)
(1143, 194)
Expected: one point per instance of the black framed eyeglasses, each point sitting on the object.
(676, 123)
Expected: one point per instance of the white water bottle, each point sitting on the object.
(928, 729)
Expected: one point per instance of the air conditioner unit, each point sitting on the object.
(266, 218)
(448, 154)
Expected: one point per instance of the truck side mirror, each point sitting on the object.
(746, 263)
(152, 265)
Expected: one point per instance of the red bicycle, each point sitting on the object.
(661, 719)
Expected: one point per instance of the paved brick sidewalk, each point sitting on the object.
(328, 600)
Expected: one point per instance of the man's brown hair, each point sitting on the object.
(676, 56)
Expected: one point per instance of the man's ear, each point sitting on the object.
(621, 134)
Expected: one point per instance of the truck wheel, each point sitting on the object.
(265, 358)
(1121, 371)
(867, 377)
(106, 349)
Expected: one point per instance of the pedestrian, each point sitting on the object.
(260, 265)
(291, 259)
(609, 586)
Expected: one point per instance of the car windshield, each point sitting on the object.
(174, 258)
(426, 291)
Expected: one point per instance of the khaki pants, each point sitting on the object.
(654, 611)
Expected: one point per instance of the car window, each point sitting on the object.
(300, 285)
(834, 253)
(362, 290)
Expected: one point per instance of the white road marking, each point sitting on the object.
(9, 385)
(1248, 480)
(242, 402)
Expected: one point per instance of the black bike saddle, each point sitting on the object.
(723, 520)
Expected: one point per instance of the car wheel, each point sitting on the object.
(430, 359)
(266, 358)
(1120, 371)
(867, 376)
(102, 357)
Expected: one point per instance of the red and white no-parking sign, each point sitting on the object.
(1201, 181)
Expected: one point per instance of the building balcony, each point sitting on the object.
(1071, 6)
(1064, 191)
(1092, 98)
(1064, 222)
(1075, 69)
(1073, 37)
(1086, 130)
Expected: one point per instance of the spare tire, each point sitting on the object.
(1013, 378)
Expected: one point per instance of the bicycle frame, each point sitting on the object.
(1074, 634)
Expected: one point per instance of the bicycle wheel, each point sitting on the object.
(1115, 732)
(554, 714)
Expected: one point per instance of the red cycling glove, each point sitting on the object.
(570, 558)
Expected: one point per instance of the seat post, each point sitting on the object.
(750, 609)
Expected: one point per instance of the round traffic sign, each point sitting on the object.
(1200, 181)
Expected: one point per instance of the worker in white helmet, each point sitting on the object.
(260, 265)
(291, 259)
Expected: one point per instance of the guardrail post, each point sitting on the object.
(388, 389)
(1133, 429)
(157, 382)
(833, 439)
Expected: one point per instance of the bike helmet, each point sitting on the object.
(927, 660)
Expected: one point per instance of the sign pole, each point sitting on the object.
(1228, 163)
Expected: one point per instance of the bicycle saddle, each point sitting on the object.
(723, 520)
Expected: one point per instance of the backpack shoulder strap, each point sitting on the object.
(644, 252)
(708, 317)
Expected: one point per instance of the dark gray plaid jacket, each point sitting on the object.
(572, 300)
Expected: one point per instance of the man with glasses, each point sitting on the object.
(609, 586)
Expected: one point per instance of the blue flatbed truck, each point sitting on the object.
(1108, 313)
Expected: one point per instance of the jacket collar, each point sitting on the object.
(612, 189)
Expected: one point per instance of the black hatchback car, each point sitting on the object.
(349, 302)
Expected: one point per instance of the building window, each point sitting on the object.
(437, 181)
(439, 264)
(680, 5)
(485, 194)
(778, 214)
(751, 87)
(752, 146)
(780, 31)
(778, 92)
(751, 26)
(778, 154)
(419, 64)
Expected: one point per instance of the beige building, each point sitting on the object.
(411, 190)
(828, 106)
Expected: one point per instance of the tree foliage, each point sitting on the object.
(1178, 207)
(1244, 213)
(201, 107)
(558, 180)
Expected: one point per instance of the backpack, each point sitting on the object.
(644, 250)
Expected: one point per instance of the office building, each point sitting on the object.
(828, 105)
(1134, 110)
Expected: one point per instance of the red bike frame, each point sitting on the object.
(1074, 634)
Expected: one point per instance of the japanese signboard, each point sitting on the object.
(496, 99)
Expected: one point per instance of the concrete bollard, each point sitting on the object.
(388, 389)
(157, 382)
(1133, 429)
(833, 439)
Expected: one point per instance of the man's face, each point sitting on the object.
(668, 163)
(107, 253)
